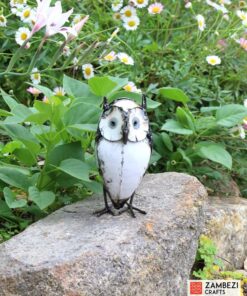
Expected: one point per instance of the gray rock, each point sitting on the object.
(73, 253)
(226, 225)
(245, 264)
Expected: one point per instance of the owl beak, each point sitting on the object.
(125, 130)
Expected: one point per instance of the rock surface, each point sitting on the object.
(226, 225)
(74, 253)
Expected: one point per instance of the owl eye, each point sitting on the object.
(113, 123)
(136, 123)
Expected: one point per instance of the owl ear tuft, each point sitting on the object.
(144, 101)
(105, 103)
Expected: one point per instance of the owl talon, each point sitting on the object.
(103, 211)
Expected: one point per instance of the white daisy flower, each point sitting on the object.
(155, 8)
(225, 2)
(35, 76)
(76, 19)
(217, 6)
(242, 132)
(21, 35)
(242, 15)
(245, 103)
(16, 3)
(116, 5)
(27, 15)
(131, 87)
(213, 60)
(140, 3)
(125, 58)
(201, 22)
(59, 91)
(111, 56)
(88, 71)
(132, 23)
(128, 12)
(3, 21)
(188, 5)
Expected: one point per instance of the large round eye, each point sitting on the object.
(113, 123)
(136, 122)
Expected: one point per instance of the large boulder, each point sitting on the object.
(73, 253)
(226, 225)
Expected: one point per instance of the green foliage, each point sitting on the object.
(208, 266)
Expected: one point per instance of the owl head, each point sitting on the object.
(124, 120)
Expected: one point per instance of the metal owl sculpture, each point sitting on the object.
(123, 146)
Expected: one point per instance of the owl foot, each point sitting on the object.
(104, 211)
(131, 209)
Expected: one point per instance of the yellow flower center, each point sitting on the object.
(26, 13)
(2, 19)
(23, 36)
(88, 71)
(59, 93)
(242, 3)
(200, 23)
(245, 119)
(156, 9)
(124, 60)
(19, 2)
(140, 1)
(128, 87)
(36, 76)
(109, 57)
(128, 13)
(212, 61)
(117, 16)
(131, 23)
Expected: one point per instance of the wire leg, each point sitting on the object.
(107, 208)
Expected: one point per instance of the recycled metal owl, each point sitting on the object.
(123, 145)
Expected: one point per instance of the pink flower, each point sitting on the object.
(41, 15)
(71, 33)
(51, 17)
(34, 91)
(56, 19)
(243, 43)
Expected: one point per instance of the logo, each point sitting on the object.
(214, 287)
(195, 288)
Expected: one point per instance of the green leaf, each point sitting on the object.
(80, 91)
(230, 115)
(42, 199)
(19, 132)
(39, 118)
(135, 97)
(8, 100)
(84, 127)
(101, 86)
(20, 112)
(174, 94)
(62, 152)
(75, 168)
(11, 146)
(82, 113)
(174, 126)
(185, 118)
(14, 176)
(5, 212)
(25, 156)
(11, 200)
(167, 141)
(5, 113)
(214, 152)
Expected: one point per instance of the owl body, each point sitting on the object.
(123, 146)
(122, 167)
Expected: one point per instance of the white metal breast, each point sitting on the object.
(123, 166)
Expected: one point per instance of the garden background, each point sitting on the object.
(189, 58)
